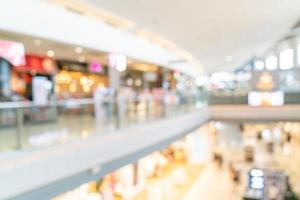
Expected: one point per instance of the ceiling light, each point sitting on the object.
(50, 53)
(81, 59)
(78, 50)
(37, 42)
(228, 58)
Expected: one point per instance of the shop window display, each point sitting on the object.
(71, 84)
(132, 179)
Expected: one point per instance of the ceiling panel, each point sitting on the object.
(213, 29)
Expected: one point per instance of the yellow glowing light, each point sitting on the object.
(86, 88)
(57, 88)
(73, 88)
(84, 80)
(91, 81)
(100, 86)
(84, 134)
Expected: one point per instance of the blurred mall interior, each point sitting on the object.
(149, 100)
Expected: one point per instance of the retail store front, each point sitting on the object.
(163, 174)
(79, 80)
(188, 169)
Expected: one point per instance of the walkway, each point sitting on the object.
(214, 183)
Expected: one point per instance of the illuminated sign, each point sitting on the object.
(95, 67)
(13, 52)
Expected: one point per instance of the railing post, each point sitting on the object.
(20, 127)
(117, 113)
(163, 114)
(147, 108)
(120, 111)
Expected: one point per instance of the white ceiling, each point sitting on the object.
(42, 19)
(212, 29)
(62, 50)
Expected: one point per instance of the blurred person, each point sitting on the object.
(290, 195)
(288, 138)
(218, 158)
(273, 192)
(235, 174)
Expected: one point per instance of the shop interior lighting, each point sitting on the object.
(138, 82)
(86, 88)
(78, 50)
(50, 53)
(81, 59)
(73, 87)
(37, 42)
(100, 86)
(129, 82)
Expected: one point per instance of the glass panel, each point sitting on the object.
(58, 124)
(25, 125)
(8, 129)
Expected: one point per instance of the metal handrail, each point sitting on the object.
(116, 108)
(31, 104)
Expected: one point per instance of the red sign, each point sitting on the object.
(13, 52)
(38, 64)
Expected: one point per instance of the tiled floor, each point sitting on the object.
(214, 184)
(171, 185)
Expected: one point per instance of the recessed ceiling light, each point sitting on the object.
(228, 58)
(50, 53)
(37, 42)
(78, 50)
(81, 59)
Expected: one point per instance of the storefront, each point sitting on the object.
(79, 80)
(24, 78)
(11, 54)
(34, 82)
(130, 180)
(141, 75)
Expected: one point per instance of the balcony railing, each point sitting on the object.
(25, 125)
(242, 99)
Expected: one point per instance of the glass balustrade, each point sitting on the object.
(25, 125)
